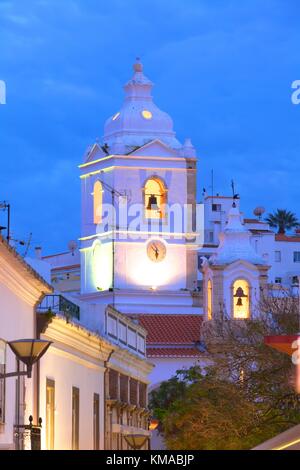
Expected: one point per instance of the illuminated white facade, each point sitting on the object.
(142, 254)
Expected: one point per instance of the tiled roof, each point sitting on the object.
(281, 237)
(173, 352)
(171, 329)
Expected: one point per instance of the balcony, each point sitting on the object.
(123, 331)
(59, 304)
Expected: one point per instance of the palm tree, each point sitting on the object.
(283, 219)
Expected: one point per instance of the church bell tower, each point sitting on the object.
(137, 185)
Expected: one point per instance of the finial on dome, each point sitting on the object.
(138, 66)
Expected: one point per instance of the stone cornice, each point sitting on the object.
(75, 340)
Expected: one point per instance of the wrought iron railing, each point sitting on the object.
(59, 304)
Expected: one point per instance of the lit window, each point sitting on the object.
(155, 199)
(209, 300)
(2, 381)
(115, 117)
(296, 256)
(277, 256)
(241, 303)
(146, 114)
(97, 202)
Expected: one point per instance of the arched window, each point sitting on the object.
(2, 381)
(209, 300)
(241, 301)
(97, 202)
(155, 199)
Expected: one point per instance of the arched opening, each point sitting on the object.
(98, 191)
(155, 199)
(209, 300)
(241, 300)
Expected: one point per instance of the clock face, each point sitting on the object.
(156, 251)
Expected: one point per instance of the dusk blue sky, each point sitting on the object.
(222, 69)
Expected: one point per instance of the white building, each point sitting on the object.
(21, 289)
(89, 389)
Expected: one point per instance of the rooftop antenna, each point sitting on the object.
(234, 194)
(27, 245)
(6, 207)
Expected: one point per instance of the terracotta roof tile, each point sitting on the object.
(173, 352)
(171, 329)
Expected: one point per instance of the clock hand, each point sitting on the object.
(156, 251)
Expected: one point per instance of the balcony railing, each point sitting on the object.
(59, 304)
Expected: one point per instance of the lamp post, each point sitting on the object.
(28, 351)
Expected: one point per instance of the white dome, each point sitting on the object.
(139, 120)
(235, 243)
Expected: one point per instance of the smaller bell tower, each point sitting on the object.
(234, 277)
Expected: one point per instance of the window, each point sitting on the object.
(75, 418)
(216, 207)
(124, 388)
(96, 421)
(209, 300)
(113, 384)
(296, 256)
(50, 408)
(98, 192)
(155, 199)
(295, 281)
(211, 237)
(2, 381)
(241, 302)
(278, 280)
(277, 256)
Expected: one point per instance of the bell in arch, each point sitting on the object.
(152, 203)
(240, 295)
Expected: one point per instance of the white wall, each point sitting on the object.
(166, 367)
(72, 371)
(16, 322)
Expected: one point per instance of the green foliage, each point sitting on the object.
(283, 220)
(245, 393)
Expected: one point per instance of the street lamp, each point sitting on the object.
(153, 425)
(135, 441)
(28, 351)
